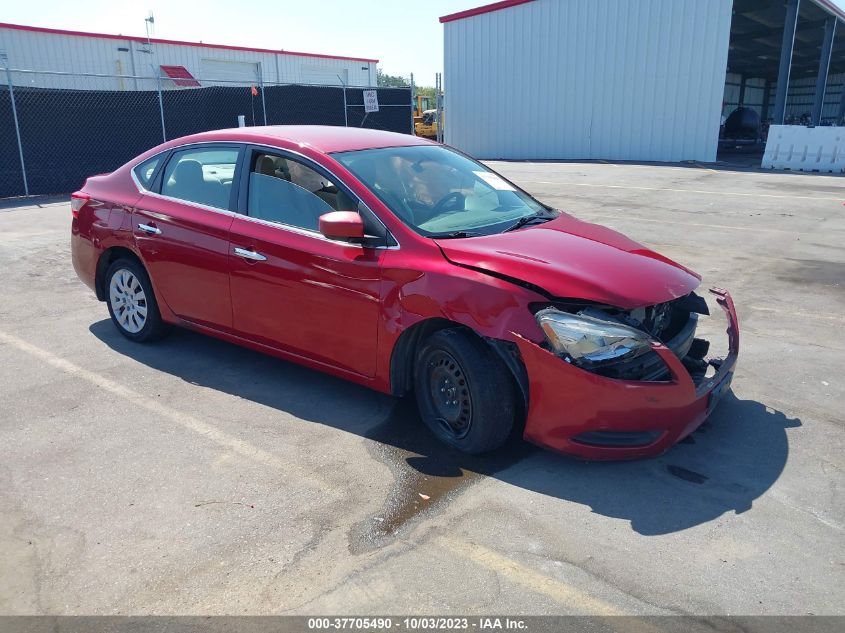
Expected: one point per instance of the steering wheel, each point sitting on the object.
(452, 199)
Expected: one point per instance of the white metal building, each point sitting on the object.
(182, 64)
(634, 79)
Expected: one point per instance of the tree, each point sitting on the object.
(383, 80)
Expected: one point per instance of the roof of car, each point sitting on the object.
(322, 138)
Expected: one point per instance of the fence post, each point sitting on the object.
(17, 129)
(263, 104)
(161, 107)
(345, 110)
(413, 104)
(261, 87)
(438, 80)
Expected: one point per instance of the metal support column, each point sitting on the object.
(786, 46)
(841, 116)
(824, 66)
(742, 85)
(17, 129)
(767, 91)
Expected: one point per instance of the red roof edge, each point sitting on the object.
(487, 8)
(143, 40)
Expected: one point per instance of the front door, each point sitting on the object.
(292, 288)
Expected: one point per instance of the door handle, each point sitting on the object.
(152, 230)
(256, 257)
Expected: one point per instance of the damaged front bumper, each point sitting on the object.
(581, 413)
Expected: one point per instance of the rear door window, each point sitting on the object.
(202, 175)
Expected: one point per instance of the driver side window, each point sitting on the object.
(289, 192)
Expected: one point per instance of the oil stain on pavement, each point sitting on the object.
(427, 474)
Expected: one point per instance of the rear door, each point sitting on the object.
(181, 227)
(291, 287)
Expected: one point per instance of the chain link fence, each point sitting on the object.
(56, 129)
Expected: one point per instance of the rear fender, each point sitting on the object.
(124, 241)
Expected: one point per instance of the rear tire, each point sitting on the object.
(465, 394)
(131, 302)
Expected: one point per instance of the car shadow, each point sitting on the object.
(723, 467)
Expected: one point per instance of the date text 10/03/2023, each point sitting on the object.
(417, 623)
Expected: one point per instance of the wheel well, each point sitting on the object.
(405, 353)
(106, 259)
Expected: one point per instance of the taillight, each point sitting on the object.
(77, 201)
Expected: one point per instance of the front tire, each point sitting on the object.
(465, 394)
(131, 302)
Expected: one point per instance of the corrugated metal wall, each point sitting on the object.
(611, 79)
(802, 93)
(755, 89)
(32, 50)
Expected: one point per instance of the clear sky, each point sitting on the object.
(405, 35)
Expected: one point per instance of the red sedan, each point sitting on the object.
(406, 266)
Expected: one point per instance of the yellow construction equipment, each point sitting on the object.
(427, 125)
(421, 104)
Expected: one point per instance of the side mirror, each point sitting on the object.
(342, 225)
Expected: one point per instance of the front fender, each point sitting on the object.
(492, 308)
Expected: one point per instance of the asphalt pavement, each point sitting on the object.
(195, 477)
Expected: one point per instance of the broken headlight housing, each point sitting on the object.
(589, 342)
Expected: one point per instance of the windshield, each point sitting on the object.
(441, 193)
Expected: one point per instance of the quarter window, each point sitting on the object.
(201, 175)
(144, 172)
(288, 192)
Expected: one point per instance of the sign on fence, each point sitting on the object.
(370, 101)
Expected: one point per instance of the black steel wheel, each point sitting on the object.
(465, 394)
(449, 393)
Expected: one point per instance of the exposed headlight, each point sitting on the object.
(589, 342)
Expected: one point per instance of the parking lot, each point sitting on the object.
(193, 476)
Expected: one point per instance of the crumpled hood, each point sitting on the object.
(572, 259)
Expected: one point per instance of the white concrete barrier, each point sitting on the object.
(802, 148)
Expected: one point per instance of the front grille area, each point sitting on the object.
(672, 323)
(650, 366)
